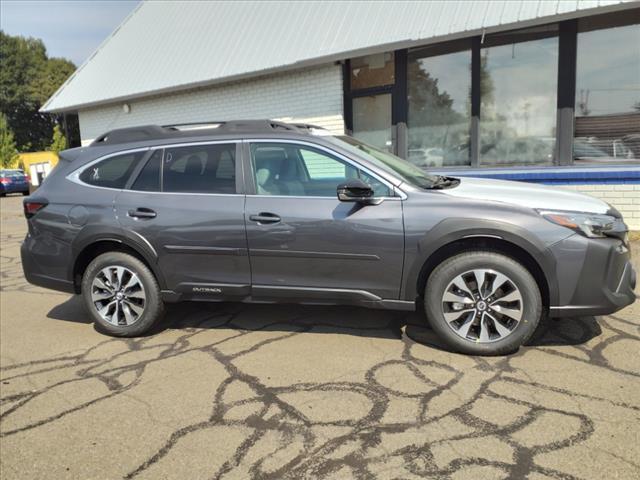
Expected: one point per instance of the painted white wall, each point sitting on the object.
(311, 95)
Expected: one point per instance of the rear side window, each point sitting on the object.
(112, 172)
(200, 169)
(149, 177)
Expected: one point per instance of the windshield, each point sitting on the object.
(387, 161)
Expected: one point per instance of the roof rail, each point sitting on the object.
(256, 126)
(312, 129)
(152, 132)
(132, 134)
(194, 125)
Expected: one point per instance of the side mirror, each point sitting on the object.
(357, 191)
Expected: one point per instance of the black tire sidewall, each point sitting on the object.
(453, 266)
(154, 307)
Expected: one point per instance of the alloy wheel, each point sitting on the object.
(482, 305)
(118, 295)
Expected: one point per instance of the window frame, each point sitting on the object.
(566, 30)
(250, 178)
(74, 176)
(239, 168)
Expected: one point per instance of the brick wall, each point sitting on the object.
(311, 95)
(625, 197)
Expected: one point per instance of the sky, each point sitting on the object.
(72, 29)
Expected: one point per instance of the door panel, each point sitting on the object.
(199, 239)
(325, 243)
(199, 235)
(305, 243)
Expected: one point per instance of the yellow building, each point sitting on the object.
(38, 165)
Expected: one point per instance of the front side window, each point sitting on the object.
(296, 170)
(607, 104)
(112, 172)
(200, 169)
(396, 166)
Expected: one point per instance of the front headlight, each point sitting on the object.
(592, 225)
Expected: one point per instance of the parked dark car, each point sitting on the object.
(261, 211)
(13, 181)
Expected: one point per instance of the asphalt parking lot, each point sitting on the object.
(237, 391)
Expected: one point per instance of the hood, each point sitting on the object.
(527, 195)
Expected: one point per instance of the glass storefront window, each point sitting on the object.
(518, 91)
(607, 106)
(372, 71)
(372, 120)
(439, 90)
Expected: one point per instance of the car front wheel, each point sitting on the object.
(121, 295)
(483, 303)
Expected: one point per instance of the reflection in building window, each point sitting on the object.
(439, 89)
(518, 102)
(372, 70)
(607, 106)
(372, 120)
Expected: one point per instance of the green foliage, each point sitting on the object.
(431, 105)
(8, 151)
(27, 79)
(59, 142)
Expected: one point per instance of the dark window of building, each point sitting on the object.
(607, 105)
(372, 71)
(200, 169)
(518, 91)
(296, 170)
(372, 120)
(112, 172)
(148, 179)
(439, 96)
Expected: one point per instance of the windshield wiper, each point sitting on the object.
(442, 182)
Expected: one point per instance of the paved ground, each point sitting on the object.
(227, 391)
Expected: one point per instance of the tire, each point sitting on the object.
(127, 289)
(25, 194)
(495, 321)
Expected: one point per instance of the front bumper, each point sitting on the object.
(595, 277)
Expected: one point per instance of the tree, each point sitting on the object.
(430, 106)
(59, 142)
(433, 120)
(8, 151)
(27, 79)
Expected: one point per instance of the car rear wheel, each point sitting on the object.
(121, 295)
(483, 303)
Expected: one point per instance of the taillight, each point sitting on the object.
(33, 207)
(5, 181)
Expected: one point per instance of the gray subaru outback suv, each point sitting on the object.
(261, 211)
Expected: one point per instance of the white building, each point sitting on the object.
(544, 91)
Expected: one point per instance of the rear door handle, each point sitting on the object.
(142, 213)
(265, 217)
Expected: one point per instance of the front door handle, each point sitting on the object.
(142, 213)
(265, 217)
